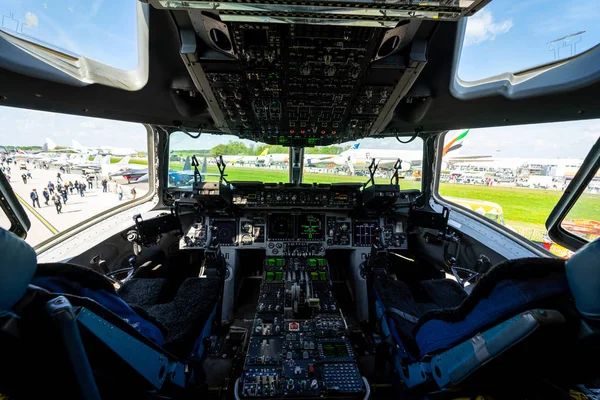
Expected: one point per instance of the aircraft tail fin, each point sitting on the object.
(455, 143)
(355, 146)
(124, 160)
(187, 165)
(76, 145)
(49, 145)
(264, 153)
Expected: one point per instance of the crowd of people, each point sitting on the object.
(57, 193)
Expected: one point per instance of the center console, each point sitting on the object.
(299, 345)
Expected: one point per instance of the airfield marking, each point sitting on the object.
(37, 215)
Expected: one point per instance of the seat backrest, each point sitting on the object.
(83, 282)
(583, 275)
(18, 263)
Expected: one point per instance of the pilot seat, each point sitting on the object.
(67, 331)
(440, 337)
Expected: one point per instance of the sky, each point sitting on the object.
(506, 36)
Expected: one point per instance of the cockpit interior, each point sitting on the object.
(251, 289)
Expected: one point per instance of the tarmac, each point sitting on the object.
(45, 221)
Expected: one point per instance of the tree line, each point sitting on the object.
(241, 149)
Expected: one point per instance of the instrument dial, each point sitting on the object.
(247, 227)
(246, 240)
(344, 240)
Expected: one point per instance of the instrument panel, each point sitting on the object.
(297, 232)
(310, 226)
(287, 219)
(365, 232)
(281, 227)
(332, 196)
(227, 231)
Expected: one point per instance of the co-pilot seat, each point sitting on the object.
(65, 331)
(440, 336)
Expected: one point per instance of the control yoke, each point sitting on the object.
(395, 179)
(372, 170)
(197, 176)
(221, 166)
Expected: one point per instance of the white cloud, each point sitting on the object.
(45, 5)
(31, 20)
(482, 27)
(70, 9)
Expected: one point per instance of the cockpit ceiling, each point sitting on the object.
(384, 13)
(317, 84)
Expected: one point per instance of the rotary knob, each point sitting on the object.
(305, 69)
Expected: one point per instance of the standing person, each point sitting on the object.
(90, 182)
(24, 177)
(35, 199)
(63, 193)
(82, 189)
(120, 192)
(46, 195)
(51, 187)
(58, 177)
(56, 199)
(70, 185)
(133, 193)
(104, 185)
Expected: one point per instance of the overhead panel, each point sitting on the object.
(311, 73)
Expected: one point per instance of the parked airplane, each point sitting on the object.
(176, 178)
(104, 150)
(109, 169)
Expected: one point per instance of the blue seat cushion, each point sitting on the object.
(507, 289)
(107, 298)
(404, 306)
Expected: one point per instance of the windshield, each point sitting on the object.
(252, 161)
(66, 169)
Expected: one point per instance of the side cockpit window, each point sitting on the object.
(64, 170)
(515, 175)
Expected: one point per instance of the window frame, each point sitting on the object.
(14, 211)
(577, 186)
